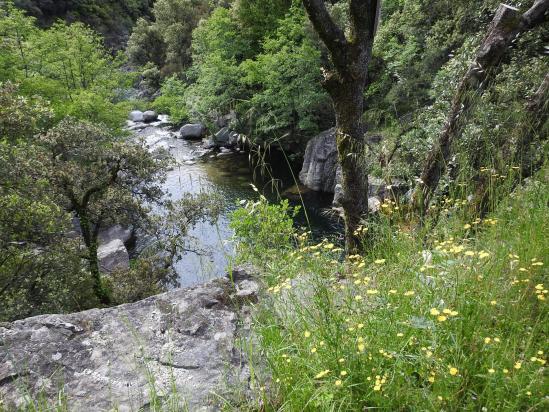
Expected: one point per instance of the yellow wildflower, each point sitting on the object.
(322, 374)
(338, 382)
(307, 334)
(434, 312)
(453, 371)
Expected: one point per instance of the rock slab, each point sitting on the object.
(113, 256)
(320, 163)
(102, 357)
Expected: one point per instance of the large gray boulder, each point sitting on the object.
(113, 256)
(136, 116)
(192, 131)
(150, 116)
(321, 171)
(103, 359)
(320, 163)
(226, 138)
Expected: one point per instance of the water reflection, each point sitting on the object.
(231, 176)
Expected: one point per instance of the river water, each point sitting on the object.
(230, 175)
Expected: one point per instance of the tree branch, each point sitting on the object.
(330, 33)
(364, 19)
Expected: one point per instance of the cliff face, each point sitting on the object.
(104, 358)
(113, 19)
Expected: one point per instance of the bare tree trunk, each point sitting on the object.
(507, 24)
(346, 84)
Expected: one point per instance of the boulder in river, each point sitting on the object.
(321, 171)
(192, 131)
(226, 138)
(103, 359)
(113, 256)
(150, 116)
(116, 232)
(320, 163)
(136, 116)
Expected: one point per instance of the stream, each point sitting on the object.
(229, 174)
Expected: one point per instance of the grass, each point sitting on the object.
(455, 320)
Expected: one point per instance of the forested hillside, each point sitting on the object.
(113, 19)
(380, 165)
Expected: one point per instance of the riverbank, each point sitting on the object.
(232, 174)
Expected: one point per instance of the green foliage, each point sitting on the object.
(276, 92)
(172, 100)
(112, 18)
(286, 74)
(21, 117)
(65, 64)
(258, 19)
(456, 321)
(166, 41)
(260, 226)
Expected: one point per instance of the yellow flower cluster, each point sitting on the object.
(540, 291)
(443, 316)
(379, 382)
(286, 284)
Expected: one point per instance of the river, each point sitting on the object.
(230, 175)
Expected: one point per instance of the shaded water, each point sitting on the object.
(231, 176)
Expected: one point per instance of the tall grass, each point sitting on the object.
(453, 320)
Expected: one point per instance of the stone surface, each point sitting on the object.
(113, 256)
(320, 163)
(136, 116)
(192, 131)
(100, 357)
(115, 232)
(226, 137)
(321, 172)
(150, 116)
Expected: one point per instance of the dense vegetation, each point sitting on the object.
(453, 320)
(114, 19)
(64, 158)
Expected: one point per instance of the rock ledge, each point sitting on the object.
(100, 357)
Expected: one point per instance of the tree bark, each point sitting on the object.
(90, 236)
(346, 84)
(507, 24)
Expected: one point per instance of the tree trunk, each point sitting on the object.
(90, 236)
(350, 146)
(346, 84)
(505, 27)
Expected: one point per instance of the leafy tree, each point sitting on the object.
(289, 100)
(21, 117)
(258, 19)
(216, 75)
(40, 267)
(166, 41)
(66, 64)
(104, 180)
(172, 100)
(350, 55)
(112, 18)
(146, 45)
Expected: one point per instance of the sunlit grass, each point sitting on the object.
(456, 320)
